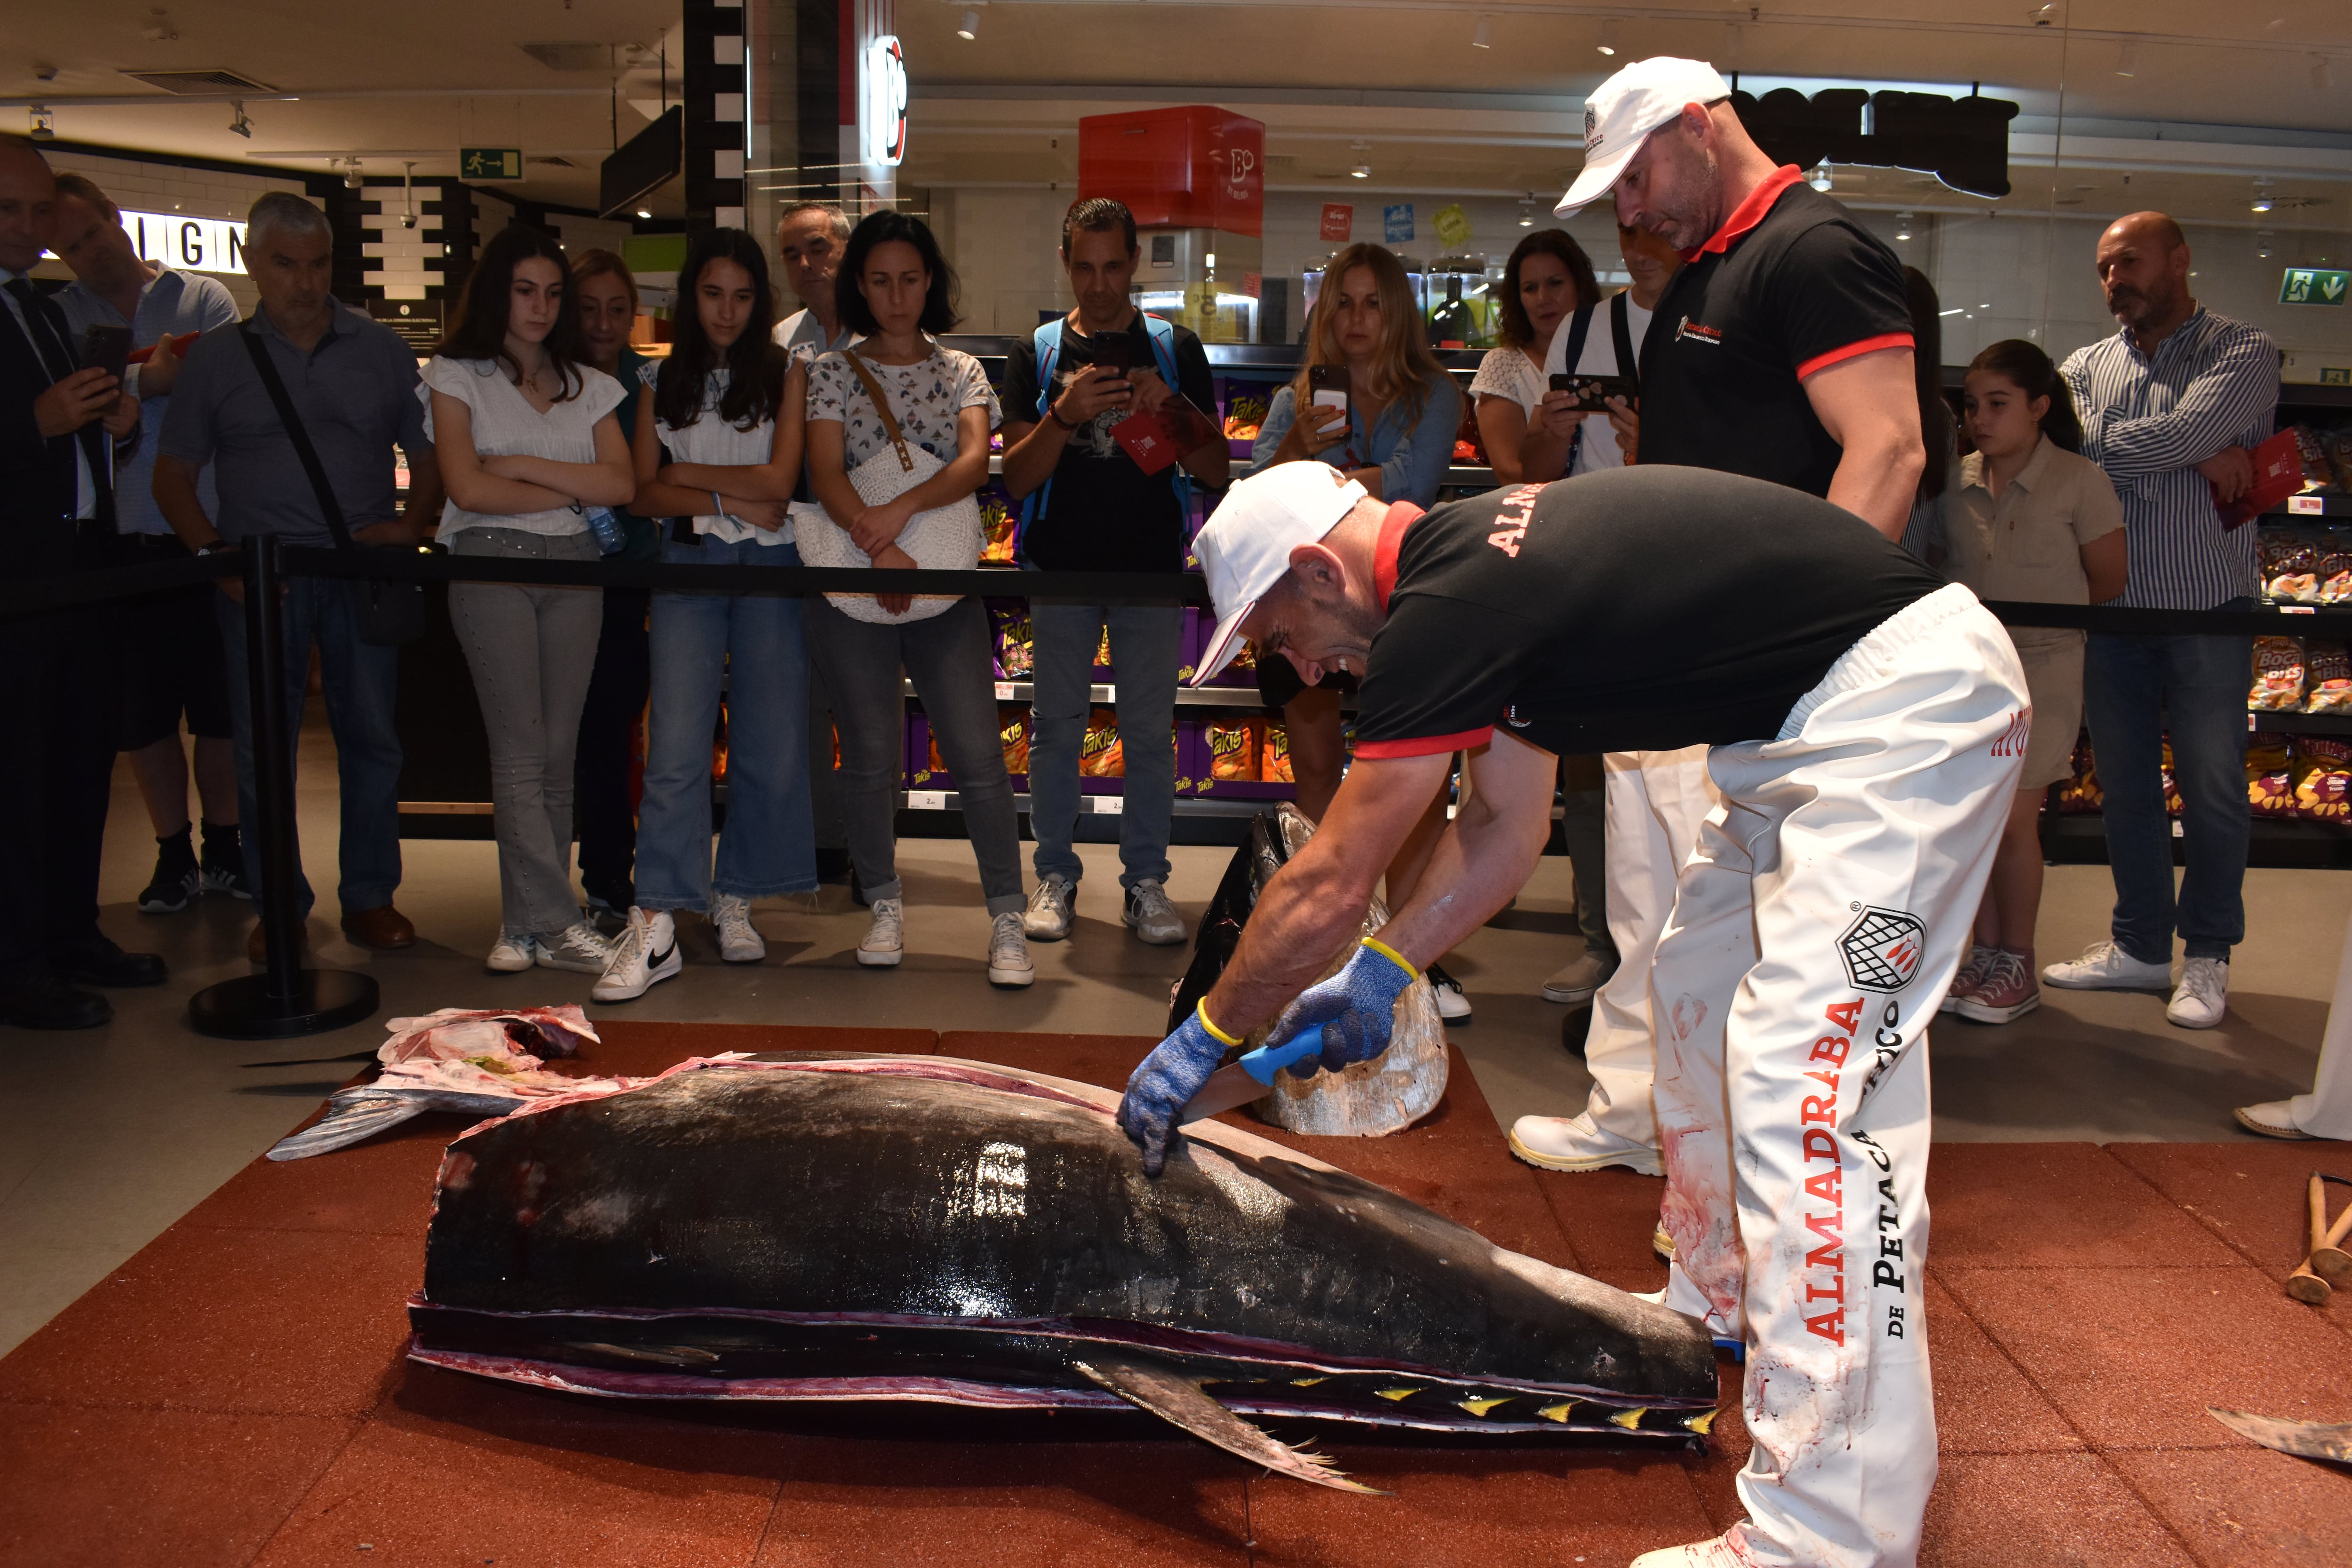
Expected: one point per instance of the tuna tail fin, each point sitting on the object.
(353, 1115)
(1179, 1400)
(2306, 1439)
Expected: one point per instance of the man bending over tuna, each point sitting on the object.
(1867, 723)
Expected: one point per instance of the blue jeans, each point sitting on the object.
(360, 681)
(2134, 689)
(754, 640)
(1143, 640)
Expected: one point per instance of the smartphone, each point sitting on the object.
(1114, 355)
(106, 349)
(1328, 386)
(1592, 391)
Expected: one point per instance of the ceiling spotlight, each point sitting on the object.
(1608, 44)
(1901, 226)
(45, 122)
(642, 213)
(238, 124)
(1819, 178)
(2263, 243)
(2263, 201)
(1363, 169)
(969, 29)
(350, 174)
(1484, 37)
(2127, 64)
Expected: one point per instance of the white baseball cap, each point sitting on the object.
(1621, 112)
(1245, 546)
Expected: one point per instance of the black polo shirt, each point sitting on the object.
(1791, 285)
(1635, 609)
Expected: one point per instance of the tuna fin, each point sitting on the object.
(1179, 1401)
(353, 1115)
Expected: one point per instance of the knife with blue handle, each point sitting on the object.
(1238, 1083)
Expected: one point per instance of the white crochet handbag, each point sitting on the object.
(946, 538)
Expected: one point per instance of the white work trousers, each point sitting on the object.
(1815, 930)
(2327, 1110)
(1656, 803)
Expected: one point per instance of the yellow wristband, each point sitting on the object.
(1203, 1010)
(1385, 951)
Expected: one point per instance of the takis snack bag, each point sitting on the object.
(1010, 622)
(1013, 729)
(1275, 768)
(1100, 755)
(1234, 750)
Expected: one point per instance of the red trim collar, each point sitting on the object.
(1750, 211)
(1401, 517)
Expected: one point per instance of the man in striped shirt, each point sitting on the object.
(2171, 406)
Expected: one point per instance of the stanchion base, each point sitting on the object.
(243, 1009)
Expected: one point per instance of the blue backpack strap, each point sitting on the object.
(1580, 326)
(1046, 345)
(1163, 354)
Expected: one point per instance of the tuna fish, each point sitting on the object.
(813, 1227)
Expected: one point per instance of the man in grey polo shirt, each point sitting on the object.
(353, 383)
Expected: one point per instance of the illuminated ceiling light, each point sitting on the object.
(237, 123)
(45, 122)
(2263, 243)
(642, 213)
(1484, 37)
(2263, 201)
(969, 29)
(1901, 226)
(1363, 169)
(1819, 178)
(1608, 44)
(351, 174)
(1527, 210)
(2127, 64)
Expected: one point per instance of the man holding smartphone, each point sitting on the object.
(1076, 395)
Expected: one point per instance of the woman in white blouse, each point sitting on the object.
(719, 453)
(528, 443)
(1548, 279)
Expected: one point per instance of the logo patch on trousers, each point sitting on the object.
(1882, 949)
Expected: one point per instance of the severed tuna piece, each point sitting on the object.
(879, 1228)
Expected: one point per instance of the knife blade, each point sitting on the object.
(1238, 1083)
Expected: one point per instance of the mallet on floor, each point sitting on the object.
(2328, 1266)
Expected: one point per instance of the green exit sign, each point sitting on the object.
(499, 163)
(2313, 286)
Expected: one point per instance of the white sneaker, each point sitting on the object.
(1452, 1007)
(2204, 994)
(737, 943)
(2107, 967)
(1573, 1143)
(1970, 977)
(1051, 907)
(512, 955)
(885, 939)
(646, 954)
(2271, 1119)
(581, 949)
(1718, 1552)
(1008, 952)
(1575, 985)
(1152, 917)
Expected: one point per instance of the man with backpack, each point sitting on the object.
(1101, 451)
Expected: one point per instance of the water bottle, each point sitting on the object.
(606, 524)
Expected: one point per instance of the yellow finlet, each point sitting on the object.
(1699, 1424)
(1629, 1419)
(1396, 1392)
(1306, 1382)
(1557, 1412)
(1480, 1407)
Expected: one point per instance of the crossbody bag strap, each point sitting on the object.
(882, 408)
(1580, 327)
(1620, 328)
(276, 385)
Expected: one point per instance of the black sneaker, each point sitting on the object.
(221, 875)
(177, 878)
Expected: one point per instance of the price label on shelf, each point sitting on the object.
(1004, 691)
(1109, 805)
(927, 800)
(2312, 506)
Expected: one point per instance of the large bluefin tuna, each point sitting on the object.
(860, 1228)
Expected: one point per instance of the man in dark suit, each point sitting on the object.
(60, 701)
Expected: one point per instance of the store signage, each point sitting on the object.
(490, 163)
(884, 116)
(1963, 142)
(1452, 223)
(190, 244)
(1396, 223)
(1338, 221)
(2313, 286)
(2336, 375)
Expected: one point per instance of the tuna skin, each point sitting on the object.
(732, 1224)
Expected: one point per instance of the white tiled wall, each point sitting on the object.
(142, 186)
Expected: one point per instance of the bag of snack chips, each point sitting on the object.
(1275, 768)
(2322, 779)
(1009, 619)
(2270, 779)
(2328, 679)
(2080, 795)
(2294, 575)
(2335, 579)
(1102, 654)
(998, 523)
(2172, 801)
(2278, 674)
(1234, 750)
(1012, 726)
(1099, 756)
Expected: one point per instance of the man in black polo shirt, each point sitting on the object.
(1076, 394)
(1867, 722)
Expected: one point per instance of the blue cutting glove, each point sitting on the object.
(1354, 1010)
(1165, 1080)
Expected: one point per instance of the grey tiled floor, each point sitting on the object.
(107, 1136)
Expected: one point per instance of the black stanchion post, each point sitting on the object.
(285, 999)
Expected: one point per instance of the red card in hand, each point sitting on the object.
(1157, 439)
(2278, 474)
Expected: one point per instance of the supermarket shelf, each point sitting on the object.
(2275, 723)
(1107, 695)
(2272, 842)
(2316, 507)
